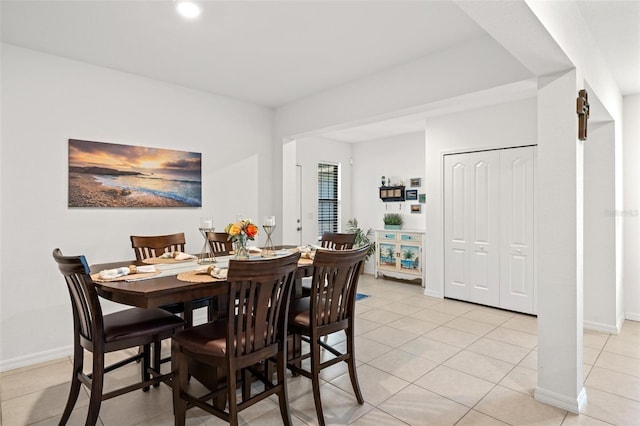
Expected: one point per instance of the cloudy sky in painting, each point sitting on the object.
(131, 158)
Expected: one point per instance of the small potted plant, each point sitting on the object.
(392, 221)
(362, 237)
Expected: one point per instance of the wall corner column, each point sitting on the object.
(560, 245)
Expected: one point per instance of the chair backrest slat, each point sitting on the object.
(337, 240)
(219, 242)
(335, 282)
(259, 292)
(154, 246)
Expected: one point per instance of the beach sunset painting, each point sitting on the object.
(112, 175)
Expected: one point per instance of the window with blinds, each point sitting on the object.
(328, 197)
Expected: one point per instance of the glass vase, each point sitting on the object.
(241, 248)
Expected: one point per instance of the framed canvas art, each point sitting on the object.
(111, 175)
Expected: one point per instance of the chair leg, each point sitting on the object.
(146, 362)
(315, 378)
(76, 384)
(180, 366)
(351, 363)
(283, 397)
(97, 382)
(231, 396)
(157, 356)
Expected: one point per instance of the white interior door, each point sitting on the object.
(472, 234)
(488, 225)
(517, 196)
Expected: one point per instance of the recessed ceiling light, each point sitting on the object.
(188, 9)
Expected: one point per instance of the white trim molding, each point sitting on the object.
(561, 401)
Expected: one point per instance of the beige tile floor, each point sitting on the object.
(421, 361)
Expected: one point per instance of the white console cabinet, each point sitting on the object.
(399, 254)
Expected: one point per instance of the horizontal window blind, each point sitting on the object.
(328, 180)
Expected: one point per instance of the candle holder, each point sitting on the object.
(206, 256)
(268, 249)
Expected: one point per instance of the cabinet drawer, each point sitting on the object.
(411, 237)
(387, 236)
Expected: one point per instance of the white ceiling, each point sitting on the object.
(275, 52)
(266, 52)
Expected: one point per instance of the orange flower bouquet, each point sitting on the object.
(239, 232)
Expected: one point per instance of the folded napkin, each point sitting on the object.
(254, 249)
(110, 274)
(214, 271)
(177, 255)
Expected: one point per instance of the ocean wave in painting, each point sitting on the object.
(180, 189)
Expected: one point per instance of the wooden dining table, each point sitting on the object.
(158, 291)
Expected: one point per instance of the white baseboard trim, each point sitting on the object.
(36, 358)
(600, 327)
(433, 293)
(561, 401)
(632, 316)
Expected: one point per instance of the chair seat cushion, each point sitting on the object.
(300, 312)
(139, 322)
(208, 339)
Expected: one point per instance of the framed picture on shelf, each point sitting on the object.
(411, 194)
(416, 208)
(415, 182)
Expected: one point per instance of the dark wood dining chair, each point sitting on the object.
(101, 334)
(219, 242)
(147, 246)
(337, 240)
(329, 309)
(240, 345)
(331, 241)
(154, 246)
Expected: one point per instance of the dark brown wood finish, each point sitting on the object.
(100, 334)
(219, 242)
(155, 292)
(329, 309)
(331, 241)
(337, 240)
(253, 332)
(155, 245)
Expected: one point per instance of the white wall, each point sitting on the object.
(507, 125)
(310, 152)
(47, 100)
(631, 212)
(600, 295)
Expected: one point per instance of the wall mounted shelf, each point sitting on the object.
(392, 193)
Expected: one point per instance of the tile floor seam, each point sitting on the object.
(609, 392)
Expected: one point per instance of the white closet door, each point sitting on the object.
(472, 242)
(517, 198)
